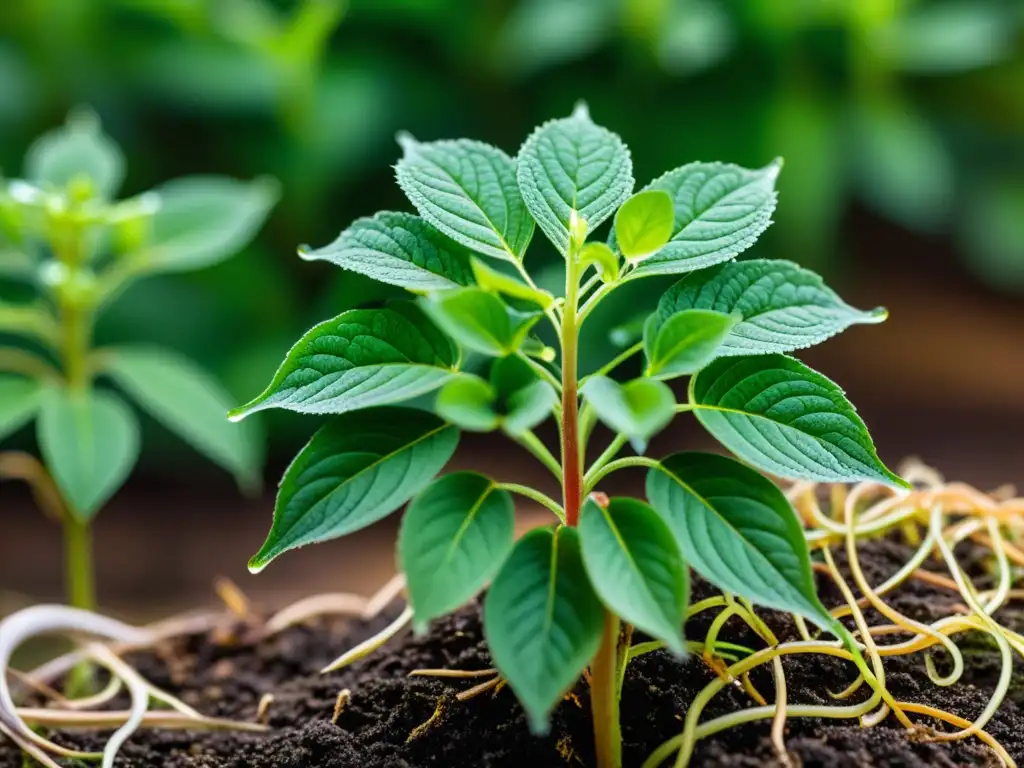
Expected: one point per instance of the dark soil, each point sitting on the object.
(226, 675)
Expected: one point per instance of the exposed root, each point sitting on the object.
(344, 696)
(423, 727)
(48, 619)
(922, 517)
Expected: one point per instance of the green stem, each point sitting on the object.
(615, 363)
(79, 576)
(628, 461)
(610, 453)
(572, 470)
(77, 326)
(543, 372)
(540, 498)
(604, 699)
(532, 443)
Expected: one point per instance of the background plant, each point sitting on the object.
(72, 248)
(897, 112)
(567, 598)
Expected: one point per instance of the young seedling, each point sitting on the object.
(567, 597)
(68, 243)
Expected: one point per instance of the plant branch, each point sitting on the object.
(624, 463)
(532, 443)
(22, 361)
(540, 498)
(616, 362)
(616, 445)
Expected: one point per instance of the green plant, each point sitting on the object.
(568, 597)
(72, 248)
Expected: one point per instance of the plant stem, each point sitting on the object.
(615, 363)
(604, 696)
(537, 496)
(78, 563)
(628, 461)
(572, 469)
(532, 443)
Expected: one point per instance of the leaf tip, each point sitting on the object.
(581, 110)
(540, 725)
(258, 562)
(407, 142)
(878, 315)
(235, 415)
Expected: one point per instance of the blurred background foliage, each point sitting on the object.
(910, 109)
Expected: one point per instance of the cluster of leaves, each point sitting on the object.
(73, 248)
(911, 108)
(726, 324)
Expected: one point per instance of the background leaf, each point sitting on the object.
(79, 149)
(454, 538)
(19, 401)
(491, 279)
(480, 321)
(468, 190)
(643, 224)
(191, 403)
(720, 211)
(780, 307)
(203, 220)
(638, 409)
(636, 567)
(469, 402)
(736, 529)
(361, 358)
(90, 442)
(398, 249)
(782, 417)
(542, 620)
(684, 343)
(358, 469)
(573, 164)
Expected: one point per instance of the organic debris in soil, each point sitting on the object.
(391, 720)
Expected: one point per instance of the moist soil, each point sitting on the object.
(226, 673)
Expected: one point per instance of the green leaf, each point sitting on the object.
(603, 258)
(637, 409)
(76, 152)
(202, 220)
(469, 402)
(782, 417)
(19, 401)
(644, 224)
(737, 530)
(573, 165)
(467, 190)
(480, 321)
(685, 343)
(361, 358)
(492, 280)
(543, 620)
(359, 468)
(636, 568)
(191, 403)
(524, 398)
(32, 321)
(454, 538)
(398, 249)
(720, 211)
(780, 307)
(90, 442)
(527, 407)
